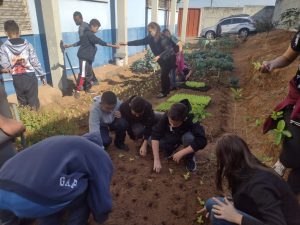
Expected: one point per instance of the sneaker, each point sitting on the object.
(279, 168)
(190, 164)
(76, 94)
(161, 95)
(122, 146)
(90, 92)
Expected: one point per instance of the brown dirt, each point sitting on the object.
(141, 197)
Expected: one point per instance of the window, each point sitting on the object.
(225, 22)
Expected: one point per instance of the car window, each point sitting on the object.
(225, 22)
(240, 20)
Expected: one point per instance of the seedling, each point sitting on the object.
(277, 115)
(171, 171)
(200, 219)
(194, 84)
(201, 202)
(236, 93)
(186, 176)
(280, 132)
(258, 122)
(256, 65)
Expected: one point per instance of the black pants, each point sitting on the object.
(166, 66)
(4, 106)
(119, 126)
(290, 154)
(26, 86)
(85, 78)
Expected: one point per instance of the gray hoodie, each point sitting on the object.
(20, 58)
(99, 117)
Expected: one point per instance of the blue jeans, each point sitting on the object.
(214, 221)
(119, 126)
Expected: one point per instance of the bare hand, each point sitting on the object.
(203, 210)
(116, 46)
(43, 81)
(155, 59)
(177, 156)
(143, 150)
(123, 43)
(157, 166)
(117, 114)
(266, 67)
(67, 46)
(226, 211)
(11, 127)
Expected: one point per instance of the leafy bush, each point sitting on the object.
(194, 84)
(40, 125)
(145, 65)
(290, 17)
(198, 104)
(224, 43)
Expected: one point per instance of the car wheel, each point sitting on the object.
(210, 35)
(243, 33)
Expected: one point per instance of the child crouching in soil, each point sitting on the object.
(175, 128)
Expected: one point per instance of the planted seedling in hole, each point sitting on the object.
(186, 176)
(279, 132)
(258, 122)
(201, 202)
(200, 219)
(277, 115)
(256, 65)
(237, 93)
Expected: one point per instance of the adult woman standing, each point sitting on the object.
(260, 197)
(163, 49)
(290, 154)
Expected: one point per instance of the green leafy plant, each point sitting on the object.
(279, 132)
(194, 84)
(258, 122)
(290, 17)
(237, 93)
(193, 99)
(200, 201)
(187, 176)
(277, 115)
(256, 65)
(200, 219)
(145, 65)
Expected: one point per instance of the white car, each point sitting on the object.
(239, 24)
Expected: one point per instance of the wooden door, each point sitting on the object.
(193, 22)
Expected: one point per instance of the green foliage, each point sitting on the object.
(200, 219)
(237, 93)
(209, 61)
(258, 122)
(224, 43)
(256, 65)
(40, 125)
(145, 65)
(290, 17)
(194, 84)
(279, 132)
(277, 115)
(200, 201)
(198, 105)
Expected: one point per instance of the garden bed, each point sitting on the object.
(194, 85)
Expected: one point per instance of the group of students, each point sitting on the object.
(72, 173)
(136, 117)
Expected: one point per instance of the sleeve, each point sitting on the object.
(144, 41)
(200, 140)
(94, 118)
(295, 43)
(4, 59)
(99, 196)
(158, 130)
(4, 137)
(174, 39)
(76, 44)
(268, 205)
(95, 40)
(150, 117)
(34, 61)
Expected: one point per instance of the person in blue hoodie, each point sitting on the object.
(19, 58)
(59, 174)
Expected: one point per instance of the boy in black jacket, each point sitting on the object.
(86, 55)
(140, 118)
(176, 127)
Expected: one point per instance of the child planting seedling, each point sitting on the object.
(175, 128)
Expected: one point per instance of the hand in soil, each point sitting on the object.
(117, 114)
(203, 211)
(157, 166)
(143, 150)
(177, 156)
(266, 67)
(226, 211)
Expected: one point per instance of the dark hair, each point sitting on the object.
(11, 27)
(95, 22)
(235, 162)
(178, 112)
(77, 14)
(109, 98)
(166, 30)
(156, 27)
(137, 104)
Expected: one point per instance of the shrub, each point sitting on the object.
(145, 65)
(290, 17)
